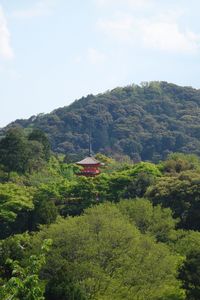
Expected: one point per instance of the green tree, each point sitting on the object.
(106, 257)
(181, 194)
(61, 287)
(188, 243)
(39, 136)
(21, 154)
(14, 152)
(190, 275)
(146, 122)
(36, 157)
(15, 204)
(25, 283)
(179, 162)
(80, 194)
(45, 211)
(149, 219)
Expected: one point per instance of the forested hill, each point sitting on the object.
(145, 122)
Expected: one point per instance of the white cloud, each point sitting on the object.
(121, 29)
(95, 56)
(159, 33)
(168, 37)
(131, 3)
(6, 51)
(92, 56)
(41, 8)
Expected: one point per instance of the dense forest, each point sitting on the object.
(130, 233)
(145, 122)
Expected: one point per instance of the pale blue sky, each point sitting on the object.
(55, 51)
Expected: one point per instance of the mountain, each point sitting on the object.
(144, 122)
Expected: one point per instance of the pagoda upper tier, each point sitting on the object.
(90, 167)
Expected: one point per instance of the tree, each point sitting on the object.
(39, 136)
(15, 204)
(36, 157)
(188, 243)
(146, 122)
(181, 194)
(179, 162)
(106, 257)
(21, 154)
(81, 194)
(149, 219)
(118, 186)
(190, 275)
(14, 151)
(45, 211)
(61, 287)
(25, 283)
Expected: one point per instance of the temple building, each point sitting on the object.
(90, 167)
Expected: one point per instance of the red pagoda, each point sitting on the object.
(90, 164)
(90, 167)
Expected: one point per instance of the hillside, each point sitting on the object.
(145, 122)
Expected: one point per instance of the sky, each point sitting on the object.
(53, 52)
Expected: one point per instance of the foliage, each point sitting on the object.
(14, 151)
(39, 136)
(45, 212)
(132, 182)
(181, 194)
(20, 153)
(106, 257)
(188, 243)
(15, 203)
(145, 122)
(190, 275)
(179, 162)
(137, 247)
(61, 287)
(25, 283)
(148, 218)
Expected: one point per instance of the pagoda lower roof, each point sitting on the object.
(88, 161)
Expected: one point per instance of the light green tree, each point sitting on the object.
(14, 199)
(154, 220)
(107, 257)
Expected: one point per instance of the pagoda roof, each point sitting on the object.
(89, 161)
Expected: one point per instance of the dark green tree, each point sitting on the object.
(40, 136)
(190, 275)
(61, 287)
(14, 151)
(45, 212)
(181, 193)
